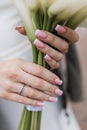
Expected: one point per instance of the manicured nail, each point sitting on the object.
(40, 104)
(60, 29)
(18, 28)
(58, 81)
(40, 34)
(53, 99)
(39, 44)
(47, 57)
(59, 92)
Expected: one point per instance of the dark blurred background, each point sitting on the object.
(80, 109)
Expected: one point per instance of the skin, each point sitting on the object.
(54, 56)
(40, 83)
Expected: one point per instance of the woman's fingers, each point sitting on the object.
(35, 94)
(21, 30)
(67, 33)
(70, 35)
(39, 71)
(12, 92)
(63, 31)
(46, 49)
(21, 99)
(15, 67)
(53, 40)
(52, 63)
(53, 46)
(32, 75)
(13, 88)
(38, 83)
(30, 92)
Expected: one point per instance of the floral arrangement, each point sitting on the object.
(45, 15)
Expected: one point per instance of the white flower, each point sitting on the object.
(32, 5)
(66, 8)
(26, 18)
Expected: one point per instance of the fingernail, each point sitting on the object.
(47, 57)
(58, 81)
(40, 103)
(60, 29)
(59, 92)
(53, 99)
(18, 28)
(39, 44)
(40, 34)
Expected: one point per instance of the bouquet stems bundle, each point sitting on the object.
(45, 15)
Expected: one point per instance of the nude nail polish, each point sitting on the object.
(60, 29)
(40, 103)
(39, 44)
(47, 57)
(59, 92)
(18, 28)
(58, 81)
(41, 34)
(53, 99)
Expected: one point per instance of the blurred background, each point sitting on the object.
(80, 109)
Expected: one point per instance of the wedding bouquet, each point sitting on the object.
(45, 15)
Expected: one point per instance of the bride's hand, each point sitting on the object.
(45, 40)
(40, 84)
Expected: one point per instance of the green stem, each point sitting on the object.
(77, 18)
(37, 58)
(39, 120)
(40, 58)
(45, 19)
(35, 120)
(45, 27)
(32, 121)
(28, 120)
(49, 24)
(36, 20)
(21, 126)
(25, 120)
(35, 53)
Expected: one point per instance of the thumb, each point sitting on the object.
(21, 30)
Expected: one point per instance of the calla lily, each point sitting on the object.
(33, 5)
(78, 17)
(69, 7)
(45, 14)
(46, 3)
(20, 4)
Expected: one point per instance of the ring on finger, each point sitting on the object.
(22, 90)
